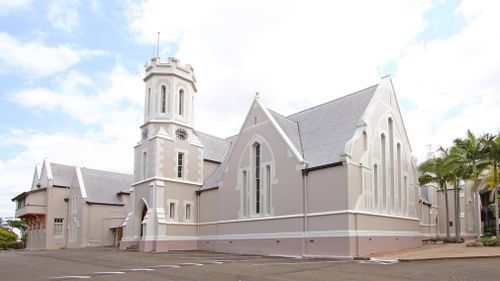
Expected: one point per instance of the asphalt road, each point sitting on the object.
(111, 264)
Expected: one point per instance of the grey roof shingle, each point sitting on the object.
(215, 177)
(319, 133)
(291, 129)
(102, 186)
(326, 128)
(62, 174)
(215, 147)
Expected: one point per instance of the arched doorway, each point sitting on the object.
(143, 215)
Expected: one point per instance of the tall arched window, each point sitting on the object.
(148, 101)
(384, 171)
(365, 141)
(375, 186)
(405, 197)
(181, 102)
(244, 194)
(144, 164)
(163, 103)
(392, 191)
(257, 178)
(268, 189)
(399, 178)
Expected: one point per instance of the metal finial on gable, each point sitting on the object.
(257, 95)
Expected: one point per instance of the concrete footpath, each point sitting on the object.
(439, 251)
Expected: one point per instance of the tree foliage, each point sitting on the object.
(7, 235)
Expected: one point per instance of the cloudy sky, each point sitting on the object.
(70, 71)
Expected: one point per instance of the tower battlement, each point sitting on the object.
(171, 67)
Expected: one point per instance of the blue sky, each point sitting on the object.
(70, 71)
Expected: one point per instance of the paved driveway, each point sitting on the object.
(111, 264)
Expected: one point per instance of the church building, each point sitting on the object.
(334, 180)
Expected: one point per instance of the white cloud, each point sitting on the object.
(9, 6)
(93, 150)
(82, 98)
(35, 58)
(296, 54)
(63, 14)
(112, 106)
(453, 83)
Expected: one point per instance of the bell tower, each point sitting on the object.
(168, 160)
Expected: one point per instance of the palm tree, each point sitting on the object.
(491, 146)
(433, 172)
(454, 166)
(473, 152)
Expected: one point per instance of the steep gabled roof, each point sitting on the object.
(62, 175)
(325, 129)
(319, 133)
(215, 147)
(103, 186)
(215, 177)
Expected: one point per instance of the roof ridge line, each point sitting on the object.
(331, 101)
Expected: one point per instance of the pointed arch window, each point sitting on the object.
(399, 178)
(257, 178)
(144, 164)
(384, 170)
(392, 191)
(244, 195)
(163, 99)
(375, 186)
(148, 101)
(181, 102)
(268, 189)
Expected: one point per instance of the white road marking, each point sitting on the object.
(214, 262)
(108, 272)
(189, 263)
(379, 261)
(72, 277)
(165, 265)
(304, 262)
(138, 269)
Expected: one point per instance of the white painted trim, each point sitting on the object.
(354, 212)
(168, 179)
(318, 214)
(180, 223)
(310, 234)
(159, 121)
(281, 132)
(172, 238)
(80, 182)
(253, 219)
(48, 169)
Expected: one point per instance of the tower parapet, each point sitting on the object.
(171, 67)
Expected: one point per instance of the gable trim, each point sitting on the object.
(80, 182)
(282, 133)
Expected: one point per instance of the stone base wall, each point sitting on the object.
(331, 247)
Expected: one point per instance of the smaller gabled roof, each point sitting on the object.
(290, 128)
(216, 176)
(102, 187)
(215, 147)
(62, 175)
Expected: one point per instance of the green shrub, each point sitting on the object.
(11, 245)
(6, 235)
(490, 241)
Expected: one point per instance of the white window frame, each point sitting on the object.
(190, 204)
(58, 230)
(175, 216)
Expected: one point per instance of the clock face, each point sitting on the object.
(181, 134)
